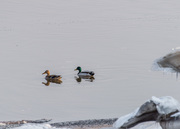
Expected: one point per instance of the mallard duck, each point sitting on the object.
(84, 73)
(51, 77)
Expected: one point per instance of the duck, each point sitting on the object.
(84, 73)
(51, 77)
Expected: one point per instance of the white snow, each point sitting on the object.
(2, 124)
(166, 104)
(37, 126)
(124, 119)
(176, 114)
(176, 49)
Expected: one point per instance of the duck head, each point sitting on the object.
(78, 68)
(46, 72)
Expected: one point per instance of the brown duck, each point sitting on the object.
(51, 77)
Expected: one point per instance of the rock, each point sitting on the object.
(171, 60)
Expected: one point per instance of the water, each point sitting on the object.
(118, 40)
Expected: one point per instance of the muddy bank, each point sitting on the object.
(86, 124)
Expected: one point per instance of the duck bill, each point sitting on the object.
(43, 73)
(75, 69)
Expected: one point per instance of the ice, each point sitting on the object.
(166, 104)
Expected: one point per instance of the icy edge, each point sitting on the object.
(124, 119)
(166, 104)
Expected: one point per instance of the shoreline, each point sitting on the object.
(81, 124)
(86, 124)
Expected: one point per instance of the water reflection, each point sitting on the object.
(86, 78)
(50, 81)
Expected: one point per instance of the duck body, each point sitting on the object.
(84, 73)
(51, 77)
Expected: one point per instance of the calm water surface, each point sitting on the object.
(118, 40)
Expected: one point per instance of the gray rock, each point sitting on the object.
(171, 60)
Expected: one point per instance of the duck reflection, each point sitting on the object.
(86, 78)
(50, 81)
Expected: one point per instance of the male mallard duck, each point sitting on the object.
(84, 73)
(51, 77)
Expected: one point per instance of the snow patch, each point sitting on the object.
(2, 124)
(166, 104)
(176, 49)
(37, 126)
(124, 119)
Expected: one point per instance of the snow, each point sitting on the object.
(176, 114)
(166, 104)
(176, 49)
(37, 126)
(2, 124)
(124, 119)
